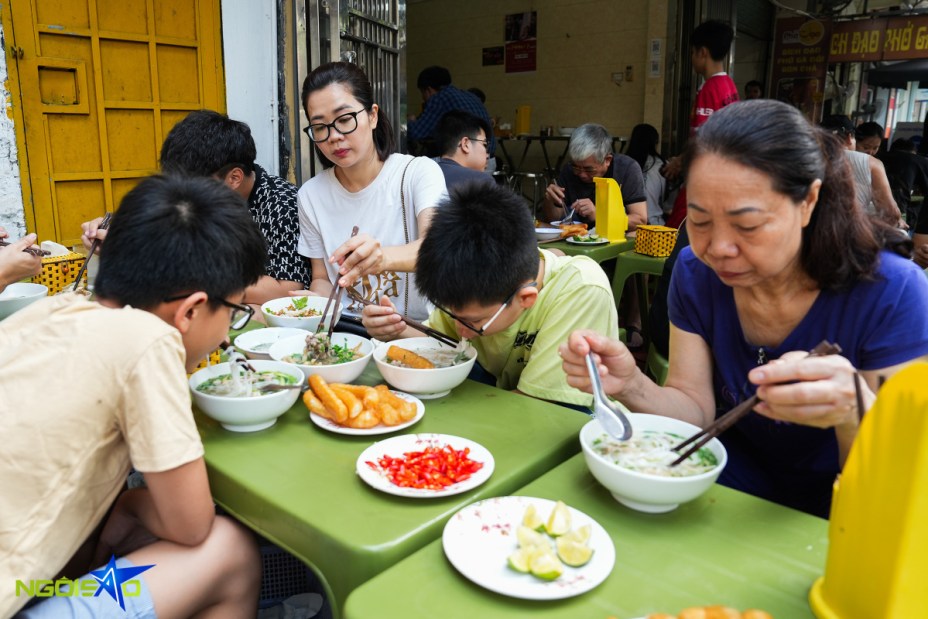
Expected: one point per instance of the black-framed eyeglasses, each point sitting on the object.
(492, 319)
(239, 317)
(590, 170)
(344, 124)
(486, 143)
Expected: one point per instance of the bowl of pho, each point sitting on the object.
(547, 234)
(340, 360)
(256, 344)
(431, 370)
(296, 312)
(238, 398)
(17, 296)
(637, 471)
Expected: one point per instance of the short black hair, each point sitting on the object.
(869, 129)
(754, 84)
(455, 125)
(174, 235)
(433, 77)
(715, 36)
(479, 248)
(903, 144)
(839, 124)
(205, 142)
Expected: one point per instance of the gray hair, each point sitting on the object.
(590, 140)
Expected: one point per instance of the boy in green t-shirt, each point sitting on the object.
(481, 267)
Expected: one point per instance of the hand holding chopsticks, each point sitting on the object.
(336, 292)
(29, 250)
(433, 333)
(731, 417)
(93, 249)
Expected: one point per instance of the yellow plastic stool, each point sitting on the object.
(877, 538)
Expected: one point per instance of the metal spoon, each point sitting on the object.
(610, 416)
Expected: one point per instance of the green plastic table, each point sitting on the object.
(599, 253)
(724, 548)
(295, 483)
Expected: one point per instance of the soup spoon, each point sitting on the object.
(610, 416)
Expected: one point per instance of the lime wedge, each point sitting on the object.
(572, 552)
(581, 535)
(530, 538)
(559, 520)
(532, 520)
(546, 566)
(519, 560)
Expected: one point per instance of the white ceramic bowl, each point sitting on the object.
(546, 234)
(566, 131)
(19, 295)
(642, 491)
(424, 384)
(256, 344)
(309, 324)
(338, 373)
(245, 414)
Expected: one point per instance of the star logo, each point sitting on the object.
(110, 578)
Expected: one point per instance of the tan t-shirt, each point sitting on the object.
(575, 294)
(84, 391)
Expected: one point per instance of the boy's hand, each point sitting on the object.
(91, 232)
(121, 534)
(383, 321)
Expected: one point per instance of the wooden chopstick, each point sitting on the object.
(433, 333)
(28, 250)
(734, 415)
(93, 248)
(336, 292)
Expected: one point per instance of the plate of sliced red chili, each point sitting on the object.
(425, 465)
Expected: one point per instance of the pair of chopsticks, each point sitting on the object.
(93, 249)
(731, 417)
(336, 292)
(433, 333)
(28, 250)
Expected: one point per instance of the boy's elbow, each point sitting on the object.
(192, 532)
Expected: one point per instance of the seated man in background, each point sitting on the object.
(15, 263)
(462, 138)
(517, 307)
(173, 273)
(207, 143)
(590, 154)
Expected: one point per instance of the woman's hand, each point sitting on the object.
(383, 321)
(617, 366)
(811, 391)
(91, 232)
(359, 255)
(16, 264)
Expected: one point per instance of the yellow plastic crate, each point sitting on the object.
(59, 271)
(655, 240)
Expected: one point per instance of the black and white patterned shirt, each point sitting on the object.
(274, 208)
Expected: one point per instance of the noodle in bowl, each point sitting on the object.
(429, 383)
(637, 474)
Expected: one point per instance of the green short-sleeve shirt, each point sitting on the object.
(575, 294)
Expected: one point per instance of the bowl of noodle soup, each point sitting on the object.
(235, 400)
(637, 472)
(452, 366)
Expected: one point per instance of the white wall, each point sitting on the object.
(249, 42)
(12, 216)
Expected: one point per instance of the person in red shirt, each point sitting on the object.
(709, 45)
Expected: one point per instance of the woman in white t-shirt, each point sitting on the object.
(643, 148)
(366, 183)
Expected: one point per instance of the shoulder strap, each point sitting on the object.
(405, 232)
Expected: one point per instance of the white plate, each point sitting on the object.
(398, 445)
(479, 538)
(601, 241)
(331, 426)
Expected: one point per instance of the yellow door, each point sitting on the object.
(101, 82)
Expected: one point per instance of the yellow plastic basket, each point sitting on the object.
(213, 358)
(59, 271)
(655, 241)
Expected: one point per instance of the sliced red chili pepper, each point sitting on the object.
(432, 468)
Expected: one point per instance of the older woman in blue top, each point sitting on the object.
(780, 258)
